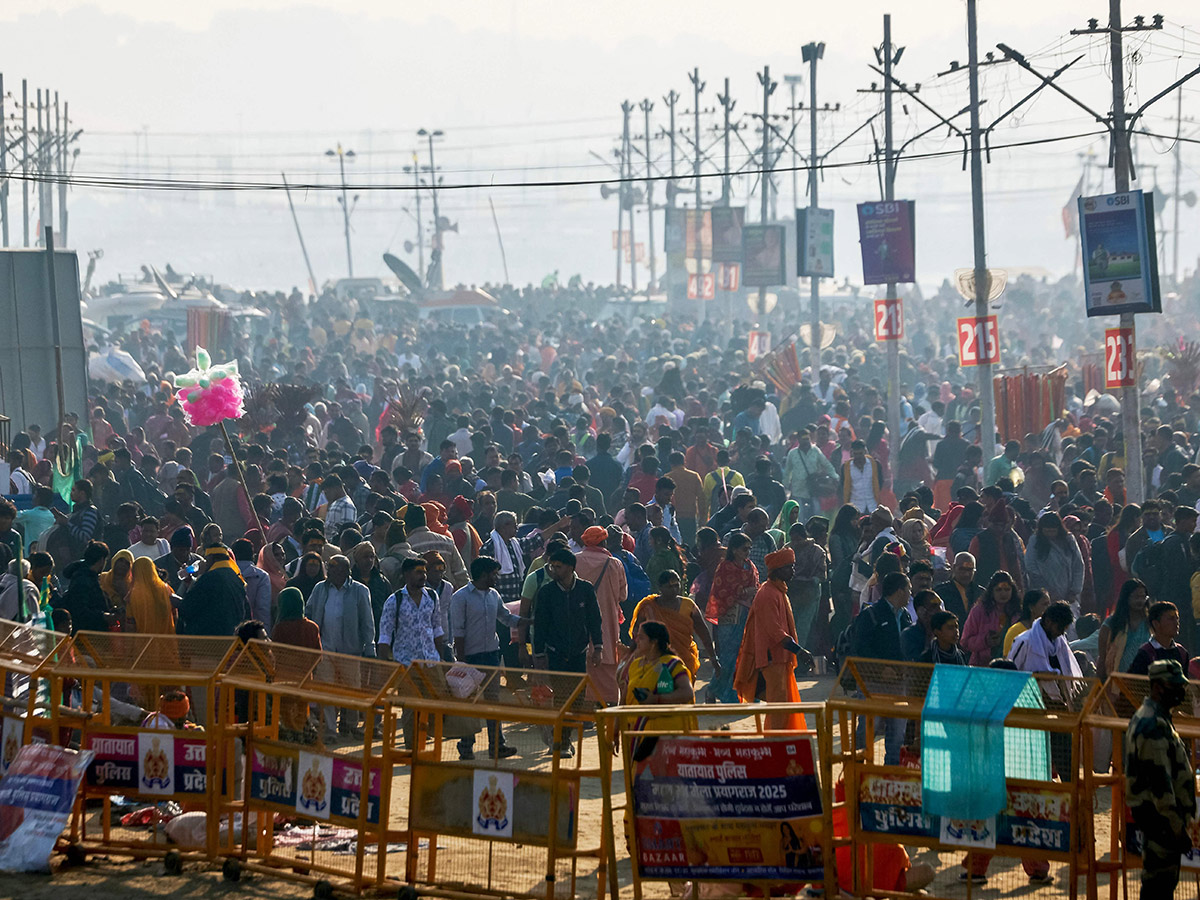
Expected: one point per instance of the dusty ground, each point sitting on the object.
(117, 878)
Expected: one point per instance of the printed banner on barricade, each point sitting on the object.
(148, 761)
(728, 809)
(315, 785)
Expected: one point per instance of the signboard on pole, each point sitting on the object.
(727, 222)
(760, 345)
(889, 319)
(728, 810)
(814, 241)
(1120, 259)
(978, 341)
(698, 234)
(702, 287)
(729, 276)
(887, 237)
(763, 257)
(1120, 366)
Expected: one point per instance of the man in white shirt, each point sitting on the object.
(37, 443)
(475, 610)
(150, 544)
(340, 511)
(410, 627)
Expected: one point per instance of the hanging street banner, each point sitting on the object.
(814, 242)
(887, 235)
(726, 227)
(1120, 258)
(764, 260)
(736, 810)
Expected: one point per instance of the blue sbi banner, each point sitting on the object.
(1120, 260)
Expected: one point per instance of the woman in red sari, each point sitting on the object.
(733, 588)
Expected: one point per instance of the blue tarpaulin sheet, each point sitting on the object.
(966, 752)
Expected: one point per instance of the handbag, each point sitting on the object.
(820, 484)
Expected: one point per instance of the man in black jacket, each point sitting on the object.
(566, 618)
(85, 598)
(877, 636)
(961, 591)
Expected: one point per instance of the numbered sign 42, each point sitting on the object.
(978, 341)
(1120, 367)
(889, 320)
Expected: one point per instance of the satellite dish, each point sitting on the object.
(407, 276)
(964, 280)
(828, 333)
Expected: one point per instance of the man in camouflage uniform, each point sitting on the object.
(1160, 785)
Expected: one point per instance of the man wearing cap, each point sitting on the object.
(1160, 784)
(606, 574)
(766, 662)
(172, 564)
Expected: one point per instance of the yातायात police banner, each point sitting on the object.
(727, 809)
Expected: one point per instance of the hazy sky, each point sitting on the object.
(240, 91)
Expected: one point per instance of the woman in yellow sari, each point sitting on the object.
(117, 581)
(656, 676)
(149, 609)
(682, 619)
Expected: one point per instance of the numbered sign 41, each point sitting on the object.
(1120, 367)
(889, 320)
(978, 341)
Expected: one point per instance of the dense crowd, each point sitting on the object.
(573, 486)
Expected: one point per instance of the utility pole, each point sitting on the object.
(1178, 168)
(698, 219)
(889, 182)
(312, 279)
(3, 167)
(25, 156)
(41, 186)
(671, 99)
(341, 157)
(728, 103)
(63, 162)
(764, 78)
(1131, 412)
(626, 192)
(646, 106)
(46, 143)
(987, 397)
(810, 54)
(416, 167)
(437, 218)
(794, 81)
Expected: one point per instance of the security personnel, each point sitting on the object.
(1160, 784)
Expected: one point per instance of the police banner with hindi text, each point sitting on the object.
(737, 810)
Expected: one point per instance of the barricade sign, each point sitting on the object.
(742, 806)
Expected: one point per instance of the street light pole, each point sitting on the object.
(341, 156)
(437, 219)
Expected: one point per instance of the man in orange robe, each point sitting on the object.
(769, 647)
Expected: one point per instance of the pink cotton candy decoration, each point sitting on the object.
(221, 400)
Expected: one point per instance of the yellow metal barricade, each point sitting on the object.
(29, 707)
(309, 806)
(1042, 829)
(486, 823)
(116, 680)
(713, 796)
(1116, 855)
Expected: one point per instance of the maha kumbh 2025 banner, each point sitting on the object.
(727, 809)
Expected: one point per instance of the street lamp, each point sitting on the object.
(342, 156)
(437, 219)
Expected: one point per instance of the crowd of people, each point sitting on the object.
(576, 491)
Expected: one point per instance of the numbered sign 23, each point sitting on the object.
(1120, 368)
(889, 320)
(978, 341)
